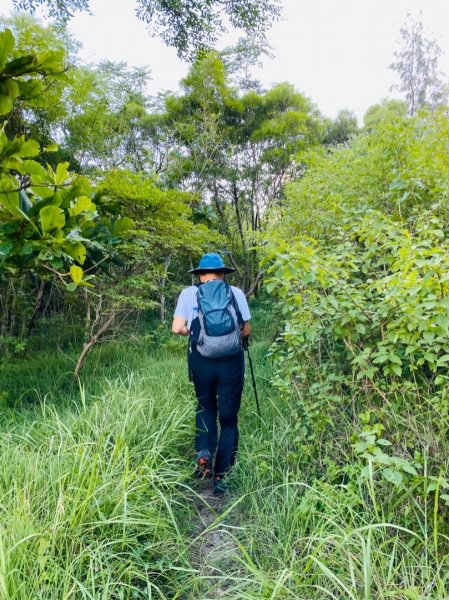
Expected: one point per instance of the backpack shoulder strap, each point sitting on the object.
(194, 324)
(236, 307)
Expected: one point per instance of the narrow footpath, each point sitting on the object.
(214, 549)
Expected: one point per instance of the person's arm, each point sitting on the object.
(179, 326)
(180, 319)
(245, 330)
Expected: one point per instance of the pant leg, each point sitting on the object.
(205, 381)
(230, 376)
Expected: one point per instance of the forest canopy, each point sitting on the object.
(187, 25)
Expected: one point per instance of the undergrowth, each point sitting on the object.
(96, 488)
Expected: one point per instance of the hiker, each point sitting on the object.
(215, 316)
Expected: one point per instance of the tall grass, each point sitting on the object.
(307, 537)
(97, 501)
(90, 498)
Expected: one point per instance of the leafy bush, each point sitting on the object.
(373, 298)
(359, 264)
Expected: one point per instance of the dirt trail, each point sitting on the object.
(213, 550)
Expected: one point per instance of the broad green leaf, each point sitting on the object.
(30, 247)
(39, 98)
(62, 173)
(381, 458)
(29, 149)
(40, 203)
(5, 248)
(6, 46)
(52, 148)
(24, 202)
(6, 104)
(8, 183)
(20, 65)
(395, 359)
(430, 357)
(81, 204)
(30, 88)
(380, 358)
(43, 192)
(75, 236)
(51, 218)
(76, 250)
(3, 141)
(392, 476)
(58, 236)
(13, 163)
(396, 370)
(383, 442)
(443, 360)
(10, 88)
(11, 227)
(10, 201)
(36, 171)
(429, 336)
(57, 263)
(408, 468)
(76, 274)
(51, 61)
(443, 322)
(363, 446)
(122, 226)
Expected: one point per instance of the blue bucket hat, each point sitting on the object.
(211, 262)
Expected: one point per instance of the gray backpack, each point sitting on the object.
(220, 320)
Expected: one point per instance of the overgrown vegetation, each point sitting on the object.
(107, 197)
(362, 359)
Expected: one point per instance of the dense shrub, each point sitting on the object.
(359, 263)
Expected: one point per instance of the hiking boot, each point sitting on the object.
(219, 485)
(203, 464)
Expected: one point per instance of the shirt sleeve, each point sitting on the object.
(182, 308)
(243, 304)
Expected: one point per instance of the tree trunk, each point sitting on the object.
(219, 207)
(235, 197)
(167, 262)
(93, 340)
(87, 318)
(254, 287)
(14, 302)
(37, 307)
(5, 308)
(238, 272)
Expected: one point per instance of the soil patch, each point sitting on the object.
(214, 549)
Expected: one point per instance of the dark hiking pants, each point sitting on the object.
(218, 387)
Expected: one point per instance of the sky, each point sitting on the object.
(337, 52)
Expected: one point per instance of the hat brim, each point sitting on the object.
(212, 270)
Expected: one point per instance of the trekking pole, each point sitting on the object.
(246, 346)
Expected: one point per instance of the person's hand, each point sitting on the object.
(245, 330)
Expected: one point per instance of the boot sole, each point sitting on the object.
(203, 469)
